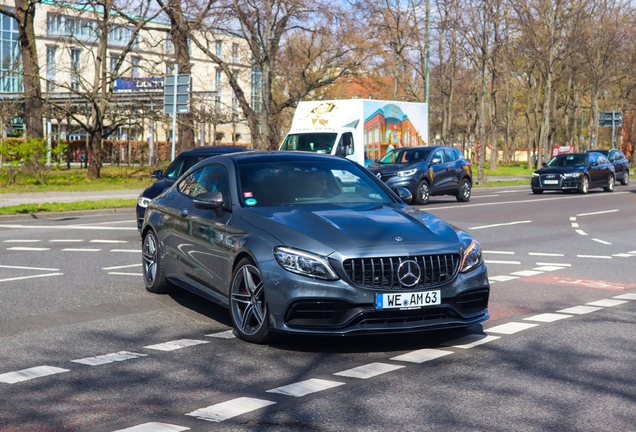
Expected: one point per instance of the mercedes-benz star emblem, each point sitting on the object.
(409, 273)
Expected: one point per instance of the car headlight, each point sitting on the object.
(571, 175)
(471, 257)
(142, 201)
(406, 173)
(304, 263)
(536, 174)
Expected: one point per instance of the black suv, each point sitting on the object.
(426, 171)
(620, 162)
(183, 162)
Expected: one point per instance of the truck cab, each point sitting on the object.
(339, 143)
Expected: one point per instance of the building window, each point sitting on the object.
(234, 98)
(257, 89)
(113, 63)
(217, 103)
(51, 52)
(218, 48)
(235, 58)
(75, 69)
(135, 67)
(10, 66)
(218, 80)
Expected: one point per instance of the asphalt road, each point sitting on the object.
(83, 346)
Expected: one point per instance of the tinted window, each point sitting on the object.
(569, 160)
(183, 163)
(451, 155)
(212, 178)
(439, 154)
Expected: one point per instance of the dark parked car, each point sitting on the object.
(620, 162)
(426, 171)
(183, 162)
(574, 172)
(310, 244)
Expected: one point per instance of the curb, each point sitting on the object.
(55, 215)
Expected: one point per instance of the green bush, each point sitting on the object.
(29, 155)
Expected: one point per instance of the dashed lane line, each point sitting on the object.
(595, 256)
(31, 373)
(108, 241)
(303, 388)
(125, 274)
(502, 262)
(66, 241)
(369, 370)
(501, 224)
(109, 358)
(121, 267)
(471, 341)
(72, 227)
(175, 345)
(232, 408)
(601, 241)
(22, 241)
(548, 317)
(510, 328)
(126, 250)
(580, 310)
(545, 254)
(499, 252)
(80, 250)
(30, 277)
(29, 268)
(606, 303)
(155, 427)
(421, 356)
(30, 249)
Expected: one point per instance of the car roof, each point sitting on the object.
(604, 152)
(275, 156)
(213, 150)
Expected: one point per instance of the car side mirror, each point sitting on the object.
(157, 174)
(341, 150)
(436, 161)
(404, 194)
(208, 201)
(594, 164)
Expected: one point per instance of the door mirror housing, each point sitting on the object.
(157, 174)
(208, 201)
(404, 194)
(436, 161)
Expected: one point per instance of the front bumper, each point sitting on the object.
(563, 183)
(302, 305)
(409, 183)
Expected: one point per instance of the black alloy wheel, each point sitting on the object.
(154, 276)
(464, 191)
(625, 179)
(585, 185)
(423, 193)
(248, 307)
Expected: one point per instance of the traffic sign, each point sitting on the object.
(611, 118)
(180, 91)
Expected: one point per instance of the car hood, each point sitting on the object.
(393, 167)
(324, 229)
(157, 187)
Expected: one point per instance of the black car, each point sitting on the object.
(620, 162)
(183, 162)
(426, 171)
(310, 244)
(574, 172)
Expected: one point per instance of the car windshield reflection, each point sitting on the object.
(290, 183)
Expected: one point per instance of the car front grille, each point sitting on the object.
(551, 180)
(382, 273)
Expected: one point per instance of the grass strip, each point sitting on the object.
(69, 206)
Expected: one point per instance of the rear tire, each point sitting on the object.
(464, 191)
(537, 191)
(248, 307)
(154, 276)
(423, 193)
(610, 184)
(625, 179)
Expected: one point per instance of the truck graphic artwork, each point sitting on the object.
(359, 129)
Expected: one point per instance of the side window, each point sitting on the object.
(603, 160)
(450, 155)
(346, 140)
(439, 154)
(593, 158)
(212, 178)
(458, 155)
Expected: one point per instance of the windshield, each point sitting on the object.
(181, 164)
(568, 160)
(313, 142)
(406, 155)
(302, 182)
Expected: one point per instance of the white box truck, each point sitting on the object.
(360, 129)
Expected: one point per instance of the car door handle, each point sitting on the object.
(183, 212)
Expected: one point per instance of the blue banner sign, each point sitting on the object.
(139, 84)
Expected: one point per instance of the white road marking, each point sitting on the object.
(548, 268)
(572, 218)
(28, 268)
(502, 262)
(595, 256)
(109, 358)
(31, 373)
(22, 241)
(126, 274)
(30, 277)
(227, 410)
(510, 328)
(109, 241)
(66, 241)
(229, 334)
(369, 371)
(499, 252)
(632, 252)
(575, 225)
(80, 250)
(121, 267)
(554, 264)
(501, 224)
(601, 241)
(545, 254)
(526, 273)
(421, 356)
(581, 232)
(628, 296)
(175, 345)
(471, 341)
(547, 317)
(597, 213)
(32, 249)
(502, 278)
(579, 310)
(126, 250)
(484, 196)
(303, 388)
(154, 427)
(72, 227)
(606, 303)
(623, 255)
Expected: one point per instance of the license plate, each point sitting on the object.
(550, 182)
(407, 300)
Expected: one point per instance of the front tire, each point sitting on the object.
(537, 191)
(625, 179)
(585, 185)
(248, 307)
(423, 193)
(464, 191)
(154, 276)
(610, 184)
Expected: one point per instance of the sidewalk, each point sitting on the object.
(14, 199)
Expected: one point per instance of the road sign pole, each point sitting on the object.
(174, 109)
